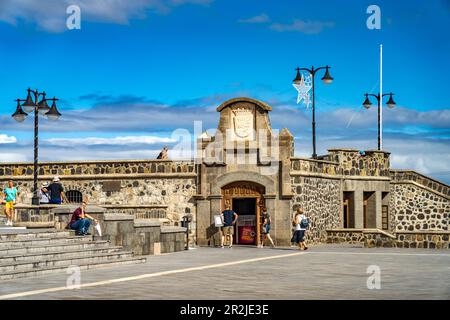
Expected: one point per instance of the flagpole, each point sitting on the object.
(380, 103)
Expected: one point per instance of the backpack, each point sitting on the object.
(304, 223)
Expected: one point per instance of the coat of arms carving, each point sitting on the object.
(243, 123)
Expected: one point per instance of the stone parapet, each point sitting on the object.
(406, 176)
(352, 163)
(89, 168)
(304, 165)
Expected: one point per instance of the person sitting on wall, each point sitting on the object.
(163, 155)
(81, 221)
(56, 189)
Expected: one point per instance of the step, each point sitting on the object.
(51, 247)
(80, 260)
(4, 229)
(62, 269)
(53, 255)
(42, 241)
(10, 235)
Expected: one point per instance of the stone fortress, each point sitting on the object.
(349, 196)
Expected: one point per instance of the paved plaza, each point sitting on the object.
(323, 272)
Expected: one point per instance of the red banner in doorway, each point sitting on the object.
(247, 235)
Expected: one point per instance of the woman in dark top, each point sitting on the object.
(266, 228)
(81, 221)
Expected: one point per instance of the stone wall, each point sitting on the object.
(352, 163)
(310, 166)
(148, 189)
(417, 208)
(321, 200)
(415, 177)
(372, 238)
(98, 167)
(430, 240)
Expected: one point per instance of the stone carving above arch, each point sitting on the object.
(254, 177)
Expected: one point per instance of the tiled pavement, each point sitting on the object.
(323, 272)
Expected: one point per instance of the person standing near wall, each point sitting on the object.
(44, 196)
(301, 224)
(56, 189)
(265, 229)
(10, 196)
(229, 218)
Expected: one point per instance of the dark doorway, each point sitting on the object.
(369, 209)
(349, 209)
(245, 228)
(244, 206)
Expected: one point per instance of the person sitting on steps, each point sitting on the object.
(81, 221)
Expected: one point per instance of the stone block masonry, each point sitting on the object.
(417, 209)
(321, 200)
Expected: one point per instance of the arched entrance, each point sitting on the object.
(246, 199)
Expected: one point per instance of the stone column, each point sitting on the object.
(216, 208)
(359, 209)
(203, 221)
(281, 223)
(378, 204)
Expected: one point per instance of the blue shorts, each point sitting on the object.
(299, 236)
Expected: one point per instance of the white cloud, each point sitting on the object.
(91, 141)
(262, 18)
(50, 15)
(307, 27)
(12, 157)
(7, 139)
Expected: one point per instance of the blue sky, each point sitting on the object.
(144, 68)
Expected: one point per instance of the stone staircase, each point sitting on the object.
(49, 251)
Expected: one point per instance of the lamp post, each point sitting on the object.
(327, 79)
(390, 103)
(31, 104)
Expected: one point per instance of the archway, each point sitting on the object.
(246, 198)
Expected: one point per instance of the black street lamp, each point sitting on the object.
(327, 79)
(31, 104)
(390, 103)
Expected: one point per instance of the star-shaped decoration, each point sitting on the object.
(303, 91)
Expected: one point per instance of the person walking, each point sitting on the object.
(81, 221)
(10, 196)
(265, 230)
(301, 224)
(44, 196)
(56, 189)
(229, 218)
